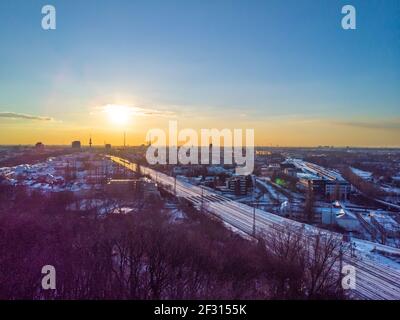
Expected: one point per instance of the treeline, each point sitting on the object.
(32, 156)
(145, 256)
(366, 187)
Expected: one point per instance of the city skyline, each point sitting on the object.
(287, 70)
(199, 157)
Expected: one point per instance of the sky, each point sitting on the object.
(286, 69)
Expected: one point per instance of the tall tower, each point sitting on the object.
(90, 141)
(210, 154)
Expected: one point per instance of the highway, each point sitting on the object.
(374, 280)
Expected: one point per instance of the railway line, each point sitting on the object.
(374, 280)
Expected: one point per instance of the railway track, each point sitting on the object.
(373, 281)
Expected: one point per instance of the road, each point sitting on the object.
(374, 280)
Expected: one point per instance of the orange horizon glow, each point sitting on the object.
(273, 133)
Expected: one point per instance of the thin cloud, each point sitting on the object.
(13, 115)
(375, 124)
(137, 111)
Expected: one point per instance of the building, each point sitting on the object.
(329, 183)
(39, 146)
(209, 182)
(268, 171)
(240, 185)
(309, 180)
(274, 166)
(290, 172)
(108, 146)
(339, 189)
(76, 144)
(289, 169)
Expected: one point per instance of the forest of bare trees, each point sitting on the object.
(146, 256)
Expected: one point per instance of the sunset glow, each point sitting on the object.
(118, 114)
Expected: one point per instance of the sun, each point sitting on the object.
(118, 114)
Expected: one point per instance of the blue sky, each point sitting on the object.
(237, 61)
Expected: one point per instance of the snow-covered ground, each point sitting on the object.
(390, 189)
(272, 191)
(376, 280)
(51, 175)
(362, 174)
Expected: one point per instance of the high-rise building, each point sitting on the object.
(39, 146)
(76, 144)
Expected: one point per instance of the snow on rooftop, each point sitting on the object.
(366, 175)
(386, 221)
(309, 176)
(46, 176)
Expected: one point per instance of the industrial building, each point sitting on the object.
(309, 181)
(337, 188)
(321, 180)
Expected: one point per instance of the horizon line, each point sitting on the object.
(257, 146)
